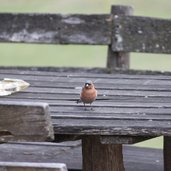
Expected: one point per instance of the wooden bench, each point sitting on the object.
(123, 103)
(122, 33)
(25, 121)
(136, 159)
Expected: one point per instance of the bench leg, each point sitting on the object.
(101, 157)
(167, 153)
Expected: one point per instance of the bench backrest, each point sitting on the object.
(119, 30)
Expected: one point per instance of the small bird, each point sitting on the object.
(88, 93)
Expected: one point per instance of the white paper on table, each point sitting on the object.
(9, 86)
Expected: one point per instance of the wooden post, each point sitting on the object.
(118, 59)
(167, 153)
(101, 157)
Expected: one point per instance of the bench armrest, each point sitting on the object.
(25, 121)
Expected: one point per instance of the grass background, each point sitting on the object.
(77, 55)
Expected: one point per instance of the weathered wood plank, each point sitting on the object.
(111, 127)
(102, 93)
(69, 153)
(132, 105)
(116, 116)
(135, 158)
(103, 90)
(55, 28)
(103, 86)
(83, 72)
(88, 29)
(141, 34)
(26, 121)
(72, 110)
(122, 140)
(69, 110)
(120, 111)
(79, 81)
(51, 98)
(26, 166)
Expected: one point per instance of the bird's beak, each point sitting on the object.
(86, 85)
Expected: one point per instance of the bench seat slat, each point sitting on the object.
(135, 158)
(26, 166)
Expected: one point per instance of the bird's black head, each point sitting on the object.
(88, 83)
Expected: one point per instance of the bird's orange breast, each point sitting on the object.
(88, 95)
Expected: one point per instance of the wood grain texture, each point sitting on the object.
(100, 157)
(126, 34)
(55, 28)
(118, 59)
(122, 140)
(141, 34)
(26, 166)
(26, 121)
(135, 158)
(132, 104)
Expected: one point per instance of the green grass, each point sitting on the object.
(89, 56)
(154, 143)
(151, 61)
(52, 55)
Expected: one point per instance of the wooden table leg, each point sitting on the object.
(167, 153)
(101, 157)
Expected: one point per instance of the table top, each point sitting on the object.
(132, 104)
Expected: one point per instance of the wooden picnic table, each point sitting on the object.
(131, 107)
